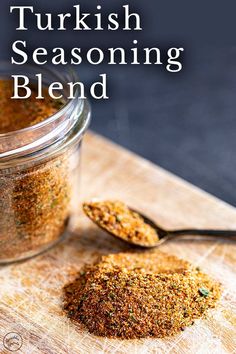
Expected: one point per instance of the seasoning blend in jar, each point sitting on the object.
(40, 144)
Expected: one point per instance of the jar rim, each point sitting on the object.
(54, 128)
(49, 119)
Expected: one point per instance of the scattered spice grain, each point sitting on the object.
(117, 218)
(136, 295)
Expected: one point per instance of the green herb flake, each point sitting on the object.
(133, 318)
(54, 203)
(119, 218)
(203, 292)
(111, 296)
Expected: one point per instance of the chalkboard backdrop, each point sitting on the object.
(185, 122)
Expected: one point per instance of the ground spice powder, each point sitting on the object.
(20, 114)
(34, 198)
(136, 295)
(117, 218)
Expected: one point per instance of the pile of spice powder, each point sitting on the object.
(117, 218)
(34, 198)
(137, 295)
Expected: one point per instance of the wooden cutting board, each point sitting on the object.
(31, 292)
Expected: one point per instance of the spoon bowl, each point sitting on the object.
(159, 235)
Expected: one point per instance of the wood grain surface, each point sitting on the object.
(31, 291)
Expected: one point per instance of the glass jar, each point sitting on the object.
(39, 174)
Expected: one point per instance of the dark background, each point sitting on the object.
(184, 122)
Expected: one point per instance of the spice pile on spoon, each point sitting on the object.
(120, 221)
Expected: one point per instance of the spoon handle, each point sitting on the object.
(195, 232)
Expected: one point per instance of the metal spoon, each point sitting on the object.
(163, 235)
